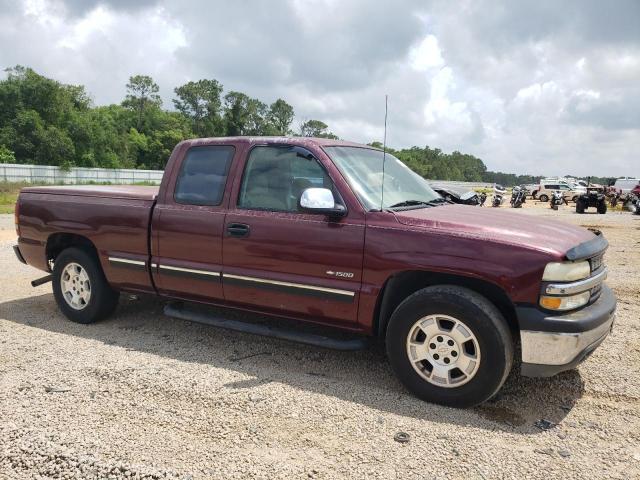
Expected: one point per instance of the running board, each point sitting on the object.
(184, 313)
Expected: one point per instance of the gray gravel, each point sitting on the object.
(145, 396)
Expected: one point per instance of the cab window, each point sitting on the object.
(203, 175)
(275, 178)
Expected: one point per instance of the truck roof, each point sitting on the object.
(302, 141)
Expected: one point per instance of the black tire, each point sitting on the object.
(544, 197)
(574, 199)
(602, 207)
(579, 206)
(103, 299)
(480, 316)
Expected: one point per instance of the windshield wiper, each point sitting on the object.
(414, 203)
(409, 203)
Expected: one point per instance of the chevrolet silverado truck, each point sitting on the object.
(332, 233)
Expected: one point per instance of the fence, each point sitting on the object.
(10, 172)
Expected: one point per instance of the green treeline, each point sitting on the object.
(433, 163)
(45, 122)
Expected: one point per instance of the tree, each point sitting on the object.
(244, 115)
(235, 112)
(315, 128)
(256, 123)
(6, 155)
(281, 116)
(200, 102)
(54, 148)
(142, 94)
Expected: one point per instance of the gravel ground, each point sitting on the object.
(145, 396)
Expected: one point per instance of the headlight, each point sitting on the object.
(565, 303)
(566, 271)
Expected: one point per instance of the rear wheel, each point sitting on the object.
(449, 345)
(544, 197)
(580, 206)
(80, 287)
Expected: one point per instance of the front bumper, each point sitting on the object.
(555, 343)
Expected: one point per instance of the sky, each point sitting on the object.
(540, 87)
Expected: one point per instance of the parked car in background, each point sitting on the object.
(545, 190)
(626, 185)
(301, 228)
(578, 188)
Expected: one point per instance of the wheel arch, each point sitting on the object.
(402, 284)
(57, 242)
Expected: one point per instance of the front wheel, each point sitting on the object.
(80, 287)
(449, 345)
(543, 198)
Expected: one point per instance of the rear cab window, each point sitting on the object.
(203, 175)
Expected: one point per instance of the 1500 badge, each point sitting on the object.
(340, 274)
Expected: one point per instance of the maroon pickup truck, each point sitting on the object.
(320, 231)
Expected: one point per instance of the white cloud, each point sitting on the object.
(426, 55)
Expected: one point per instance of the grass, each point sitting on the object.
(9, 195)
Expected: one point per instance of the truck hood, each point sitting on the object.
(498, 225)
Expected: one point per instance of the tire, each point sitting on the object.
(574, 199)
(602, 207)
(544, 197)
(534, 194)
(490, 341)
(579, 206)
(101, 300)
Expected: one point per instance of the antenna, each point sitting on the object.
(384, 149)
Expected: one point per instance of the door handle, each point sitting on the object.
(238, 229)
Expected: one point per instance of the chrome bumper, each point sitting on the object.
(550, 348)
(545, 353)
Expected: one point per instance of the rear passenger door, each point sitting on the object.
(188, 224)
(279, 258)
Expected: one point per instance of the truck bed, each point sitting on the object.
(114, 218)
(138, 192)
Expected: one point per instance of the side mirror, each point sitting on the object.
(320, 200)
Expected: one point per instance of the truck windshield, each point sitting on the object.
(362, 168)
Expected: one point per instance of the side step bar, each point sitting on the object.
(179, 311)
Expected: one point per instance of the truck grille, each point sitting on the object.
(596, 262)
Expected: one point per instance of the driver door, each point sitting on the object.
(279, 258)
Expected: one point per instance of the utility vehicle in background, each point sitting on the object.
(594, 198)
